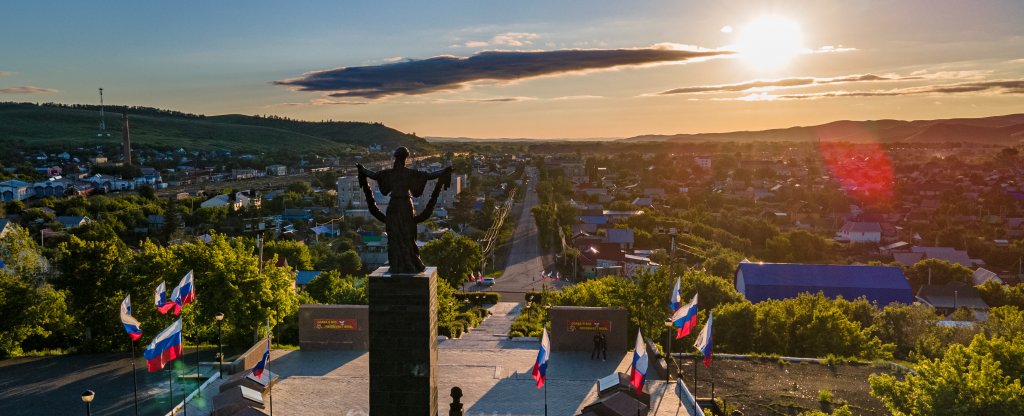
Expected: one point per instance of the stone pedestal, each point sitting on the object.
(403, 343)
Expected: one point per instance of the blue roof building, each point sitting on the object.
(882, 284)
(303, 277)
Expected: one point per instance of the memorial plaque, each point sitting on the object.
(336, 324)
(585, 325)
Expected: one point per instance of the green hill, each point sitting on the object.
(31, 125)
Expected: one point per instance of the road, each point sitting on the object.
(525, 262)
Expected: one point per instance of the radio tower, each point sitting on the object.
(103, 121)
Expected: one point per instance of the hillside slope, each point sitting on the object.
(41, 125)
(1004, 130)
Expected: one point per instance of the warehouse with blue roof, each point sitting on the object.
(758, 282)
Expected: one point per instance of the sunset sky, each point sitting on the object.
(566, 69)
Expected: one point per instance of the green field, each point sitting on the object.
(31, 126)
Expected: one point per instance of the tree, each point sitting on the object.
(906, 327)
(228, 279)
(940, 272)
(95, 275)
(456, 257)
(32, 310)
(983, 378)
(296, 252)
(331, 288)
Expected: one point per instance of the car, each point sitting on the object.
(487, 281)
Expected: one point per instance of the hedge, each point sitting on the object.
(478, 298)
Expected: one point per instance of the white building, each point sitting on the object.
(860, 232)
(703, 161)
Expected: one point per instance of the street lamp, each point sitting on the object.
(87, 397)
(220, 344)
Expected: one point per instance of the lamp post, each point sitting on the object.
(668, 323)
(220, 344)
(87, 397)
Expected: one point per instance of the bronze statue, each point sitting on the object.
(403, 184)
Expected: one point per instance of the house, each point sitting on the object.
(15, 190)
(5, 227)
(759, 282)
(623, 237)
(217, 202)
(373, 250)
(304, 277)
(860, 232)
(982, 275)
(946, 299)
(70, 222)
(703, 161)
(297, 214)
(277, 170)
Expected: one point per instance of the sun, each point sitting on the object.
(769, 42)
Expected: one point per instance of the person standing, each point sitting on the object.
(604, 346)
(597, 346)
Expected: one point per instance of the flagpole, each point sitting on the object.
(135, 382)
(270, 376)
(545, 398)
(170, 387)
(695, 377)
(184, 399)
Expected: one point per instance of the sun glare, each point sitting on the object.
(769, 42)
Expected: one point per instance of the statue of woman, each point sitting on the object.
(403, 184)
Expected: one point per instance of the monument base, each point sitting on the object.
(403, 343)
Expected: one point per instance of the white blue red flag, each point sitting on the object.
(540, 368)
(685, 318)
(164, 348)
(184, 293)
(638, 370)
(676, 298)
(703, 343)
(130, 323)
(160, 299)
(257, 371)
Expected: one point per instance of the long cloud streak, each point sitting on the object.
(27, 89)
(1002, 86)
(786, 83)
(442, 73)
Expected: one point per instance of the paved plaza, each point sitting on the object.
(493, 372)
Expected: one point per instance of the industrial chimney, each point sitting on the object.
(126, 139)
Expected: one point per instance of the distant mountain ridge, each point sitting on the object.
(1005, 129)
(61, 125)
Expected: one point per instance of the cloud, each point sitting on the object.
(27, 89)
(444, 73)
(486, 100)
(786, 83)
(515, 39)
(1002, 86)
(6, 73)
(831, 49)
(577, 97)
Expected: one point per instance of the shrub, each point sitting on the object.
(478, 298)
(825, 396)
(514, 334)
(471, 319)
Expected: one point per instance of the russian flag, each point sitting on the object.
(164, 348)
(638, 370)
(257, 371)
(540, 368)
(130, 323)
(685, 318)
(160, 299)
(676, 298)
(184, 293)
(703, 343)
